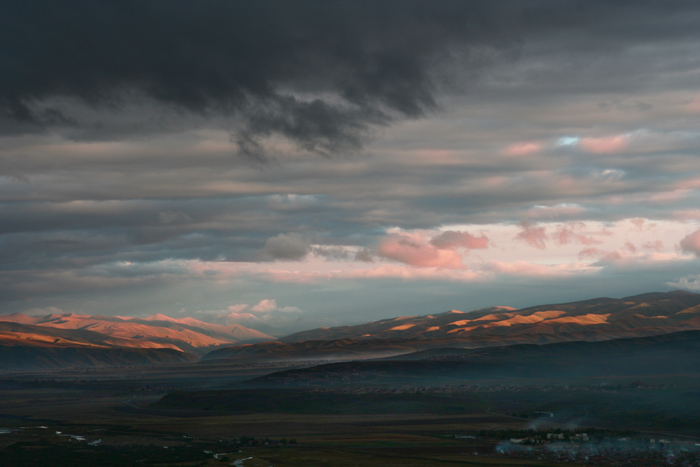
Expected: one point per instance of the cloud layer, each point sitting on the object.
(350, 159)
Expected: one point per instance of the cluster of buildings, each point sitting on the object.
(613, 451)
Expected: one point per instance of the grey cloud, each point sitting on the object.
(331, 252)
(364, 255)
(349, 201)
(314, 126)
(173, 217)
(324, 75)
(451, 239)
(691, 243)
(371, 58)
(689, 282)
(284, 247)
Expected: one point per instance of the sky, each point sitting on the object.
(291, 165)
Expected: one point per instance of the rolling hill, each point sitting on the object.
(589, 320)
(646, 314)
(674, 353)
(46, 357)
(60, 340)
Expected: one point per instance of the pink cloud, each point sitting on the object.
(691, 243)
(693, 106)
(673, 195)
(642, 224)
(449, 240)
(572, 247)
(689, 184)
(497, 181)
(657, 245)
(612, 257)
(568, 234)
(688, 214)
(638, 222)
(605, 144)
(413, 250)
(591, 252)
(533, 236)
(522, 149)
(629, 255)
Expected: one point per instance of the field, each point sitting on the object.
(200, 415)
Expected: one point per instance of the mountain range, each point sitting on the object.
(589, 320)
(60, 340)
(66, 339)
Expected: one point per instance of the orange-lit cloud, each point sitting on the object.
(522, 149)
(605, 144)
(440, 251)
(413, 250)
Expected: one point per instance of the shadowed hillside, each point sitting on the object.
(674, 353)
(52, 357)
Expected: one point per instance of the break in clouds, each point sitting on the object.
(346, 160)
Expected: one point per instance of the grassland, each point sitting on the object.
(183, 415)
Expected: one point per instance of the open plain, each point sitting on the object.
(203, 415)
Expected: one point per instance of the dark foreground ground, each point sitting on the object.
(195, 415)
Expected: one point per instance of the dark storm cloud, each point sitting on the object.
(247, 58)
(323, 75)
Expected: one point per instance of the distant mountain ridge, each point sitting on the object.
(67, 339)
(404, 327)
(50, 338)
(665, 312)
(588, 320)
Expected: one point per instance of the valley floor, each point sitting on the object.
(120, 418)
